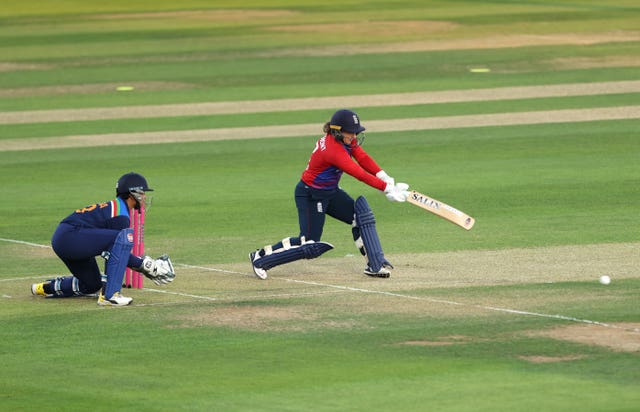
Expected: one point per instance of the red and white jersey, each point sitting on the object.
(331, 158)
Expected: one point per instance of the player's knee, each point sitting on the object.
(122, 246)
(124, 240)
(89, 288)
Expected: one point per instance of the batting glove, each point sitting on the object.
(382, 175)
(397, 193)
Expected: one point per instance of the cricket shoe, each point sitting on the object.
(382, 273)
(116, 300)
(38, 290)
(260, 273)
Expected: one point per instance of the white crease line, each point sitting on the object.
(210, 269)
(353, 289)
(24, 278)
(22, 242)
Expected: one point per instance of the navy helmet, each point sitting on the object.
(346, 121)
(132, 183)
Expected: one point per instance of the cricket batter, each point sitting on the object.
(318, 194)
(103, 230)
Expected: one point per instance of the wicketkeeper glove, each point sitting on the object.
(397, 193)
(159, 270)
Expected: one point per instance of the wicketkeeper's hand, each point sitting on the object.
(159, 270)
(397, 193)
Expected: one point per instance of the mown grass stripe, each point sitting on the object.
(257, 132)
(283, 105)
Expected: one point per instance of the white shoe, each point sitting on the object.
(116, 300)
(260, 273)
(382, 273)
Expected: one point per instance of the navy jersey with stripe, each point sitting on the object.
(113, 214)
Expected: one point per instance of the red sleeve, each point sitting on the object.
(365, 160)
(344, 162)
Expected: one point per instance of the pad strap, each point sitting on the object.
(66, 286)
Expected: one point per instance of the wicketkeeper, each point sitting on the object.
(103, 230)
(318, 194)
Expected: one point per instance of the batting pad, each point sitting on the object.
(367, 224)
(307, 250)
(117, 261)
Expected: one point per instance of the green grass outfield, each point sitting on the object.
(508, 316)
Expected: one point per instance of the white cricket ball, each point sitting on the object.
(605, 280)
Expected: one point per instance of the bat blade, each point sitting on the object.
(441, 209)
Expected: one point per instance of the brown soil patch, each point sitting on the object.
(551, 359)
(593, 62)
(271, 318)
(620, 337)
(15, 67)
(248, 317)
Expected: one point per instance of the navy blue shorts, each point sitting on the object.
(314, 204)
(78, 247)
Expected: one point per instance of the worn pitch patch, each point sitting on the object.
(625, 337)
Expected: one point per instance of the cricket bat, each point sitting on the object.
(441, 209)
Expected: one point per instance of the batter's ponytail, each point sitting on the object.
(336, 133)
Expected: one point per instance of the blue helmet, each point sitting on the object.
(132, 183)
(347, 121)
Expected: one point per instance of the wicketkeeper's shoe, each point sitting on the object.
(116, 300)
(382, 273)
(260, 273)
(38, 289)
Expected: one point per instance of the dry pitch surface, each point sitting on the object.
(332, 293)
